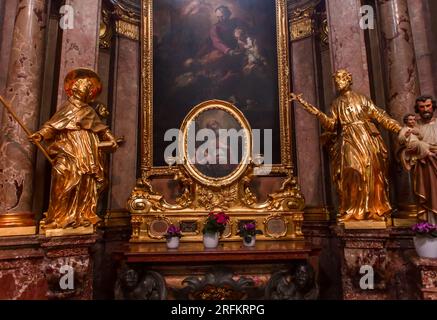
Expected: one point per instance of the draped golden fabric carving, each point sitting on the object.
(74, 135)
(357, 152)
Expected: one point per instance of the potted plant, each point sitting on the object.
(248, 232)
(214, 227)
(425, 240)
(173, 236)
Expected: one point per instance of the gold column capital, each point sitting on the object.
(302, 22)
(127, 22)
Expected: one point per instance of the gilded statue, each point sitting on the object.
(359, 158)
(77, 139)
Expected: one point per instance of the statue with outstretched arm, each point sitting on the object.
(358, 155)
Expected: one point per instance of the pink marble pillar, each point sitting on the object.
(80, 45)
(6, 34)
(420, 17)
(399, 56)
(23, 90)
(123, 170)
(346, 40)
(403, 83)
(307, 127)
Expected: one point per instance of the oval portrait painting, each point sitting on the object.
(216, 141)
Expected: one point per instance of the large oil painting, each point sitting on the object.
(215, 49)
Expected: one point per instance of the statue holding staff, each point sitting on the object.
(76, 139)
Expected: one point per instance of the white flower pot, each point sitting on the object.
(251, 243)
(426, 247)
(173, 243)
(211, 240)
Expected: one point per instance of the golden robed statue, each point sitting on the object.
(76, 137)
(357, 152)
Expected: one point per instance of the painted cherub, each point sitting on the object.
(249, 47)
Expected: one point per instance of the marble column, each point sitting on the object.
(6, 33)
(307, 128)
(420, 17)
(347, 43)
(80, 45)
(23, 90)
(432, 4)
(399, 56)
(403, 84)
(124, 122)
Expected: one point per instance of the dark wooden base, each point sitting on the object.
(270, 270)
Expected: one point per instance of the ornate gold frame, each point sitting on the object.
(232, 194)
(147, 168)
(241, 119)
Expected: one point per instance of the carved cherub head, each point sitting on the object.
(304, 277)
(129, 278)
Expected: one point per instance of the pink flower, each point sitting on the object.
(222, 218)
(216, 222)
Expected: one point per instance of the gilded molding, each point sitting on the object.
(106, 30)
(240, 118)
(129, 30)
(127, 22)
(199, 194)
(302, 23)
(126, 13)
(147, 91)
(324, 31)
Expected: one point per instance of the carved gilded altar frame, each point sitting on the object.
(149, 209)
